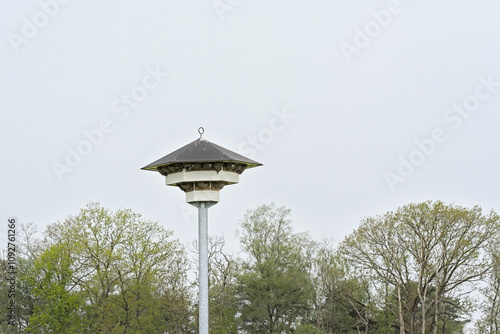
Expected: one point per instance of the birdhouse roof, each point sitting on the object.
(201, 150)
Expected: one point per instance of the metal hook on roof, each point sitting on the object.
(201, 131)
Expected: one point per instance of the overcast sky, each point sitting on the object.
(354, 107)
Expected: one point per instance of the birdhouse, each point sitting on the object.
(201, 169)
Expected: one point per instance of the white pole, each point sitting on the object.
(203, 266)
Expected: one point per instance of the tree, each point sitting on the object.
(447, 244)
(117, 264)
(275, 286)
(175, 296)
(376, 250)
(223, 304)
(28, 248)
(57, 308)
(490, 320)
(22, 295)
(343, 303)
(431, 249)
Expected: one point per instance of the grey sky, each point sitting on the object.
(339, 100)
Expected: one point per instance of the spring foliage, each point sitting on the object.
(407, 271)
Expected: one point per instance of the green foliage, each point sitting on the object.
(275, 286)
(343, 300)
(57, 309)
(307, 329)
(106, 272)
(426, 252)
(408, 271)
(24, 299)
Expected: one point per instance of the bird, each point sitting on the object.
(186, 186)
(218, 166)
(162, 170)
(240, 168)
(229, 166)
(202, 185)
(218, 185)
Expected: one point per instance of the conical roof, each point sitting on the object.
(201, 150)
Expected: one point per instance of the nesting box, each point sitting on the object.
(201, 169)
